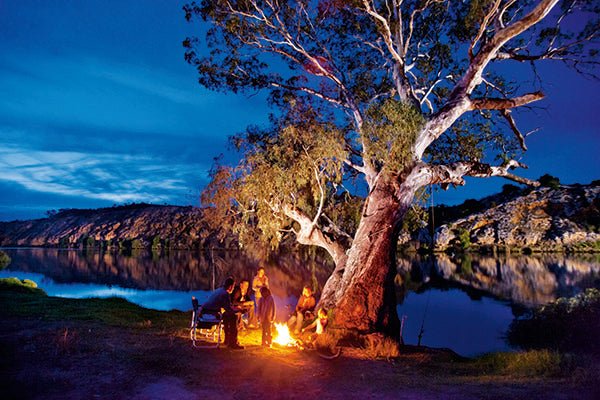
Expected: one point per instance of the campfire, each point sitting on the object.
(283, 336)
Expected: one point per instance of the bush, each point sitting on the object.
(463, 239)
(567, 324)
(21, 286)
(4, 260)
(550, 181)
(510, 190)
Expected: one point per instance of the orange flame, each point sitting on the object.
(283, 337)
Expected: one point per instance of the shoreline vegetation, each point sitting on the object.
(77, 346)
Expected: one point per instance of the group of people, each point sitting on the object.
(237, 302)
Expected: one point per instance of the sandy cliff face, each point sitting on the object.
(137, 225)
(546, 219)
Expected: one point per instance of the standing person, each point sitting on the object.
(266, 315)
(221, 299)
(260, 280)
(241, 298)
(306, 305)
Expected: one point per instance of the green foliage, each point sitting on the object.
(550, 181)
(88, 242)
(509, 189)
(4, 260)
(63, 242)
(464, 238)
(566, 324)
(156, 242)
(466, 265)
(390, 132)
(20, 286)
(296, 168)
(136, 244)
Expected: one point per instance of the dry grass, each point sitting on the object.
(377, 346)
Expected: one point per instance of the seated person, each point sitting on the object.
(314, 329)
(220, 299)
(241, 298)
(319, 324)
(304, 308)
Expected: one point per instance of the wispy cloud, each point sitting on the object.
(104, 176)
(80, 90)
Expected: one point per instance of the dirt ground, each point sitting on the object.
(89, 360)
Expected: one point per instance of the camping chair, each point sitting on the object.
(206, 324)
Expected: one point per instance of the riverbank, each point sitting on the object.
(108, 348)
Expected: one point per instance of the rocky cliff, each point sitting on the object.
(133, 226)
(566, 218)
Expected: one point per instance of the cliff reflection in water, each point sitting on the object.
(176, 270)
(527, 280)
(522, 279)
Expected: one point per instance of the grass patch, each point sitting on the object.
(377, 346)
(534, 363)
(22, 300)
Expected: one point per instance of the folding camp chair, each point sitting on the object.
(207, 325)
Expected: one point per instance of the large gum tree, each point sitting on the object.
(384, 96)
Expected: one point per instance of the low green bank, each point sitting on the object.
(23, 299)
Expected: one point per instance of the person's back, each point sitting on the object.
(218, 299)
(266, 314)
(221, 299)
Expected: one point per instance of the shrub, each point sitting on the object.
(21, 286)
(550, 181)
(464, 238)
(137, 244)
(4, 260)
(156, 242)
(567, 324)
(510, 190)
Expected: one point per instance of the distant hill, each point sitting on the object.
(562, 218)
(132, 226)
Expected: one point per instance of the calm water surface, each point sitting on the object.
(463, 303)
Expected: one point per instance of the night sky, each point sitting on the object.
(98, 107)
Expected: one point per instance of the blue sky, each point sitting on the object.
(98, 107)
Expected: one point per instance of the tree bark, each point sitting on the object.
(362, 291)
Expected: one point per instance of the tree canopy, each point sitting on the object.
(364, 86)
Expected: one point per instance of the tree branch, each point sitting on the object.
(458, 102)
(513, 125)
(454, 173)
(310, 234)
(502, 104)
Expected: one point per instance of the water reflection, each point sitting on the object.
(521, 279)
(175, 271)
(526, 280)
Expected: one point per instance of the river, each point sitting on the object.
(464, 303)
